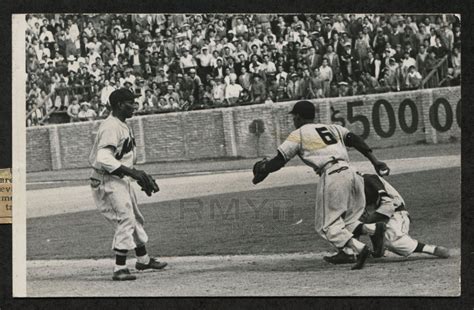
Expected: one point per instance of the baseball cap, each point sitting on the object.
(304, 108)
(121, 95)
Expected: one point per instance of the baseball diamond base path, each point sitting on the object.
(295, 274)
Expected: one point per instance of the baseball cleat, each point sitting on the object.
(441, 251)
(361, 258)
(378, 239)
(123, 275)
(153, 264)
(340, 258)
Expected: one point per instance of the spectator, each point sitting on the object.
(204, 60)
(186, 61)
(332, 61)
(457, 35)
(219, 71)
(172, 98)
(431, 61)
(86, 113)
(218, 91)
(371, 83)
(258, 93)
(95, 102)
(240, 28)
(391, 75)
(293, 87)
(354, 89)
(313, 59)
(413, 78)
(255, 65)
(73, 110)
(439, 48)
(456, 63)
(232, 92)
(316, 84)
(105, 92)
(89, 55)
(407, 62)
(362, 49)
(35, 116)
(267, 69)
(326, 76)
(173, 103)
(347, 61)
(196, 83)
(421, 59)
(150, 100)
(280, 93)
(333, 91)
(245, 79)
(305, 87)
(343, 89)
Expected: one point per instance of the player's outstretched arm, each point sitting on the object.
(356, 142)
(264, 167)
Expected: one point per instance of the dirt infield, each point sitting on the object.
(222, 236)
(297, 274)
(62, 246)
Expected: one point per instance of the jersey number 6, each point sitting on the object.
(326, 136)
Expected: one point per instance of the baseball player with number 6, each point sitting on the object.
(340, 199)
(112, 158)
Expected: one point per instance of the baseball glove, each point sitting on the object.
(259, 171)
(148, 185)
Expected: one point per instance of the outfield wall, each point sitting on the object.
(384, 120)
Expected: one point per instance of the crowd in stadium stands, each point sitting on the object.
(186, 62)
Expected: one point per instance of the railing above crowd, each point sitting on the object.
(188, 62)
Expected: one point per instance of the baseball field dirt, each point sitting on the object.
(258, 242)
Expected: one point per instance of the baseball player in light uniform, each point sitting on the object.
(112, 158)
(385, 204)
(340, 199)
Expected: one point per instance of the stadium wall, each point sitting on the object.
(384, 120)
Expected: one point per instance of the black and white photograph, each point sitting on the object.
(218, 154)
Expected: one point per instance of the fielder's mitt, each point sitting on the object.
(259, 171)
(148, 185)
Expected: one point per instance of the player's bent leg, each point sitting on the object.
(362, 250)
(397, 238)
(340, 203)
(435, 250)
(378, 239)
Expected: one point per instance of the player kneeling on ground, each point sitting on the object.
(340, 191)
(112, 157)
(384, 204)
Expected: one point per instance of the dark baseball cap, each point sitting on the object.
(121, 95)
(304, 108)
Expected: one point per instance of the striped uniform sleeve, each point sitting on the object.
(291, 146)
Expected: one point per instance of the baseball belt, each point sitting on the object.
(329, 164)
